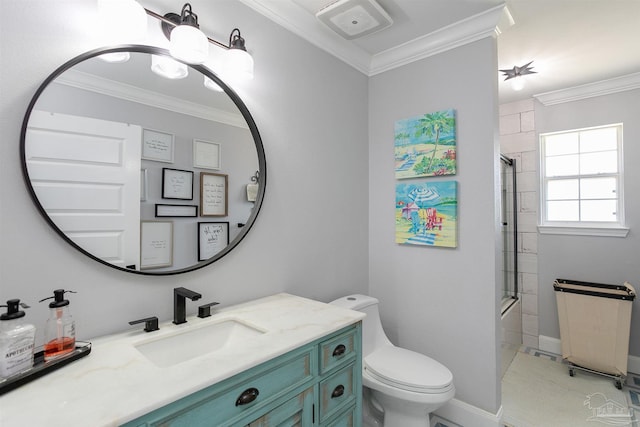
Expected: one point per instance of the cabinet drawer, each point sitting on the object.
(337, 350)
(345, 420)
(297, 412)
(240, 396)
(337, 392)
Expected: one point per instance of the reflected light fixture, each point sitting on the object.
(168, 67)
(515, 75)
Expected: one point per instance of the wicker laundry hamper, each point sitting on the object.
(595, 322)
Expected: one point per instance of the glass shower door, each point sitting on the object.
(509, 232)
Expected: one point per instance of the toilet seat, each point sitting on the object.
(408, 370)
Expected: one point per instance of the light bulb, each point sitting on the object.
(122, 21)
(517, 83)
(189, 44)
(238, 64)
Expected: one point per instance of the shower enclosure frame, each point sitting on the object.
(514, 298)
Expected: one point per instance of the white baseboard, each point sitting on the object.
(468, 415)
(550, 345)
(554, 345)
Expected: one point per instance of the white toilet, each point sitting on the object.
(402, 387)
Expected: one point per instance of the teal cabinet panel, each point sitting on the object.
(297, 412)
(347, 419)
(294, 389)
(337, 391)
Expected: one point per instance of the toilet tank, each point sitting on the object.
(373, 335)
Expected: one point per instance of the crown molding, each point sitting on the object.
(128, 92)
(590, 90)
(469, 30)
(299, 21)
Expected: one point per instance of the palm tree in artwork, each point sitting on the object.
(433, 125)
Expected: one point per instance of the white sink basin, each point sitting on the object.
(195, 341)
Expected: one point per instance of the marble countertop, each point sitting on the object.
(116, 383)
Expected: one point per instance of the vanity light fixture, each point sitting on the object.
(187, 43)
(237, 62)
(516, 74)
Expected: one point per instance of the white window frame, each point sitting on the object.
(587, 228)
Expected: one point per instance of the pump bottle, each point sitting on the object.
(16, 340)
(60, 330)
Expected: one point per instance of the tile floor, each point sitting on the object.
(631, 391)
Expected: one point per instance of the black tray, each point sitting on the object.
(40, 367)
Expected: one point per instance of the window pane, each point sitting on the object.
(563, 211)
(604, 162)
(564, 143)
(599, 210)
(598, 140)
(562, 165)
(598, 188)
(562, 189)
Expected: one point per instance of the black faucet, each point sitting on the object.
(179, 303)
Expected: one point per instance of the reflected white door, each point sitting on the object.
(86, 174)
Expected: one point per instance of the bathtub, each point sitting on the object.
(511, 331)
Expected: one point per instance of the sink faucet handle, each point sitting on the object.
(205, 310)
(150, 323)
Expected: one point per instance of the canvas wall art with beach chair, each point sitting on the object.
(427, 213)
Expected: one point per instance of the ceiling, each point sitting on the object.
(571, 42)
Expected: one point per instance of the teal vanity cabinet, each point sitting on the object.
(318, 384)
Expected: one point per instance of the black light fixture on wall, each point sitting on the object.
(187, 42)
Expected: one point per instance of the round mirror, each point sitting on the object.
(148, 173)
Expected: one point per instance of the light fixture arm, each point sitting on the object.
(171, 20)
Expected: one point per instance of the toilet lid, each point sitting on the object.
(408, 370)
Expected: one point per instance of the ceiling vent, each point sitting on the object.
(354, 18)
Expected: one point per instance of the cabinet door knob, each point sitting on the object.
(338, 391)
(247, 396)
(339, 350)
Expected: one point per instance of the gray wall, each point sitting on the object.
(594, 259)
(310, 238)
(442, 301)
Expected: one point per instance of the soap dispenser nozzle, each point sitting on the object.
(12, 309)
(58, 297)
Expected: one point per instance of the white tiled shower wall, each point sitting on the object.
(518, 141)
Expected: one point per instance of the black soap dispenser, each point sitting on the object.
(60, 330)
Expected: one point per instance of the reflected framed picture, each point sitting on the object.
(213, 194)
(206, 154)
(157, 146)
(156, 244)
(177, 184)
(185, 211)
(212, 238)
(143, 185)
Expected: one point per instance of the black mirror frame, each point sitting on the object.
(262, 163)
